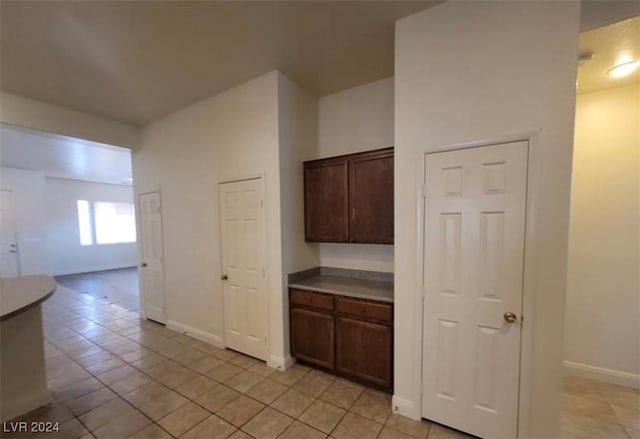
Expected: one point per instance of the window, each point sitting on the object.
(84, 223)
(113, 223)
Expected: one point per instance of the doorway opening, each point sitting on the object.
(602, 322)
(68, 211)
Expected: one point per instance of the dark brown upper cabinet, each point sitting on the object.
(326, 200)
(350, 198)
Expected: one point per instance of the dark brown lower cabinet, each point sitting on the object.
(312, 337)
(363, 350)
(351, 337)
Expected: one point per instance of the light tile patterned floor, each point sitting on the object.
(115, 376)
(597, 410)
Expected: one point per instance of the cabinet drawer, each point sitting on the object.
(366, 310)
(314, 300)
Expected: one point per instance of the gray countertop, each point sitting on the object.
(17, 294)
(342, 283)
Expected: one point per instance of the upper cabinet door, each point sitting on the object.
(326, 200)
(371, 197)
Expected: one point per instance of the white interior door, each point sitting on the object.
(9, 263)
(152, 265)
(474, 250)
(243, 267)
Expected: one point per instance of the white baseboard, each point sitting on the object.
(404, 407)
(602, 374)
(280, 363)
(199, 334)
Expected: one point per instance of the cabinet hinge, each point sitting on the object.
(261, 202)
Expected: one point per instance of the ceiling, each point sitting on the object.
(609, 45)
(137, 61)
(63, 157)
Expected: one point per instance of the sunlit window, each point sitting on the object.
(115, 222)
(84, 223)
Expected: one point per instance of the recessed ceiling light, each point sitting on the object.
(623, 69)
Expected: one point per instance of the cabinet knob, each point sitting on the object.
(224, 277)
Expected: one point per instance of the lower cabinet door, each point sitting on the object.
(364, 351)
(312, 337)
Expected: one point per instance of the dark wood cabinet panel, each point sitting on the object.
(326, 200)
(371, 198)
(312, 337)
(376, 311)
(350, 198)
(314, 300)
(351, 337)
(363, 350)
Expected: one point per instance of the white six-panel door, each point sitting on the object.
(474, 224)
(152, 265)
(243, 267)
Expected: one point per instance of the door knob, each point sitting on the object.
(144, 264)
(510, 317)
(224, 277)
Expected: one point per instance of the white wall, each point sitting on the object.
(29, 215)
(65, 253)
(475, 71)
(229, 136)
(603, 289)
(354, 120)
(42, 116)
(297, 125)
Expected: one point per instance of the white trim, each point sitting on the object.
(406, 408)
(280, 363)
(414, 409)
(535, 175)
(198, 334)
(602, 374)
